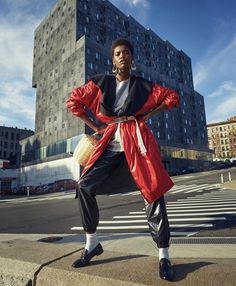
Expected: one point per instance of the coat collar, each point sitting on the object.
(139, 90)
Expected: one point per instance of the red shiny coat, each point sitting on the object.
(147, 170)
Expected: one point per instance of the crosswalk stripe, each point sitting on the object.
(202, 202)
(141, 212)
(177, 214)
(207, 206)
(191, 225)
(192, 188)
(181, 187)
(199, 210)
(193, 200)
(206, 225)
(220, 196)
(170, 220)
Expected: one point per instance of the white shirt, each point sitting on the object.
(122, 92)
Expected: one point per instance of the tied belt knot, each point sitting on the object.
(122, 119)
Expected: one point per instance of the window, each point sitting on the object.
(90, 65)
(97, 56)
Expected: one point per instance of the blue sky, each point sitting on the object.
(204, 29)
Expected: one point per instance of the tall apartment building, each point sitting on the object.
(222, 139)
(9, 143)
(72, 44)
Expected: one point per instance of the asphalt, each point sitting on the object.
(128, 259)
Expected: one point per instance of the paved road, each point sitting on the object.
(196, 206)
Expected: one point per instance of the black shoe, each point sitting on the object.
(166, 270)
(87, 256)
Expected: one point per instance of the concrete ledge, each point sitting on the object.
(21, 260)
(32, 263)
(16, 272)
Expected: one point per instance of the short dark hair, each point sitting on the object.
(119, 42)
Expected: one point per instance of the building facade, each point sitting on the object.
(222, 139)
(73, 44)
(9, 143)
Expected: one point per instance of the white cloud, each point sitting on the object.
(216, 64)
(226, 88)
(15, 50)
(17, 97)
(222, 103)
(144, 3)
(215, 78)
(224, 110)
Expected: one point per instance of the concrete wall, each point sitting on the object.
(49, 172)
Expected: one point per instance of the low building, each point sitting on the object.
(222, 139)
(8, 181)
(9, 143)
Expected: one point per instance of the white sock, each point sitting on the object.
(91, 241)
(164, 253)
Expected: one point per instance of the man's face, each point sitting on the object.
(122, 57)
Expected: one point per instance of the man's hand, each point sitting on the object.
(144, 117)
(101, 129)
(148, 115)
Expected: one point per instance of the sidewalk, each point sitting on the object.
(9, 198)
(128, 259)
(230, 185)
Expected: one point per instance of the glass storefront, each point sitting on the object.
(68, 146)
(189, 154)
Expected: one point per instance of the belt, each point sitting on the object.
(122, 119)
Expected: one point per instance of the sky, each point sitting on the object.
(205, 30)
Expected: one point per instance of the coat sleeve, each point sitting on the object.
(82, 97)
(165, 95)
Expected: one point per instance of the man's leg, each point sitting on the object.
(89, 186)
(160, 232)
(158, 222)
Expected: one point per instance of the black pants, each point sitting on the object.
(91, 184)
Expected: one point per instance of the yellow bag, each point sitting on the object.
(85, 148)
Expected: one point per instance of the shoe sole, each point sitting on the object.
(100, 252)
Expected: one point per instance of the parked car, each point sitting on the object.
(173, 171)
(188, 169)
